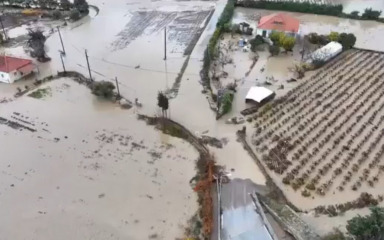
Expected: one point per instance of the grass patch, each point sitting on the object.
(41, 93)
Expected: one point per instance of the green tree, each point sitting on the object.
(274, 50)
(276, 37)
(370, 14)
(370, 227)
(347, 40)
(334, 36)
(163, 103)
(36, 42)
(288, 43)
(103, 89)
(257, 41)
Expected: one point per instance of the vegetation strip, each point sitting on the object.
(205, 166)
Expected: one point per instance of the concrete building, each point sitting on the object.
(280, 22)
(13, 69)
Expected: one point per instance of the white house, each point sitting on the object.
(279, 22)
(13, 69)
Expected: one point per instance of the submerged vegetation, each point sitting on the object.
(40, 93)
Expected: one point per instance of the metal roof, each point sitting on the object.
(258, 94)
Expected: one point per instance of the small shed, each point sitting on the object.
(259, 95)
(327, 52)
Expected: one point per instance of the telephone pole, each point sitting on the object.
(89, 68)
(2, 26)
(117, 86)
(62, 61)
(165, 43)
(61, 40)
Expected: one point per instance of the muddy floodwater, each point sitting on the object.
(75, 166)
(361, 5)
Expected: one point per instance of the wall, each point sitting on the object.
(4, 77)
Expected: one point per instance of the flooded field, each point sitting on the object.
(322, 143)
(90, 166)
(369, 34)
(360, 5)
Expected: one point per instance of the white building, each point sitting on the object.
(326, 52)
(13, 69)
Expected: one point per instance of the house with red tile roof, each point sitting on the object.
(13, 69)
(280, 22)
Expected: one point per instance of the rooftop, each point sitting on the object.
(9, 64)
(258, 94)
(279, 22)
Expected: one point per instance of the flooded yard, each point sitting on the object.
(85, 164)
(369, 34)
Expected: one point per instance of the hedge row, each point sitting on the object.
(303, 7)
(209, 53)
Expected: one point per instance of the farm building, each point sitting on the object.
(13, 69)
(259, 95)
(325, 53)
(279, 22)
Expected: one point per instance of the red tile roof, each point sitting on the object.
(9, 64)
(279, 22)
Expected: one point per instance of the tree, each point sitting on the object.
(36, 43)
(65, 4)
(74, 15)
(81, 5)
(313, 38)
(334, 36)
(370, 227)
(163, 103)
(347, 40)
(370, 14)
(288, 43)
(257, 41)
(103, 89)
(274, 50)
(276, 37)
(355, 14)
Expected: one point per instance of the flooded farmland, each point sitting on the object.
(88, 163)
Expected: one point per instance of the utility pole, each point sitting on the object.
(117, 86)
(62, 62)
(2, 26)
(165, 43)
(89, 68)
(61, 40)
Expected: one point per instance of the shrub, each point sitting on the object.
(276, 37)
(347, 40)
(257, 41)
(313, 38)
(274, 50)
(81, 5)
(74, 15)
(288, 43)
(103, 89)
(335, 235)
(226, 102)
(334, 36)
